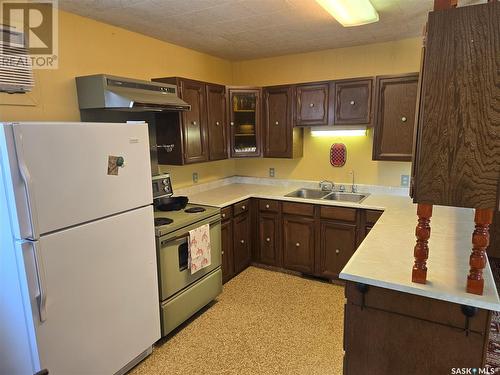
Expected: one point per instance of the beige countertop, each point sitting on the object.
(385, 257)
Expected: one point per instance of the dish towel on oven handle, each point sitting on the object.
(199, 248)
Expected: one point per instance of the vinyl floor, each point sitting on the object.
(264, 322)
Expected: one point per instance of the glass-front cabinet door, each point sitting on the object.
(244, 108)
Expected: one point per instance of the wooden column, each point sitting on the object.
(480, 241)
(444, 4)
(421, 250)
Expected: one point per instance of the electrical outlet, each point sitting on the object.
(271, 172)
(195, 177)
(405, 180)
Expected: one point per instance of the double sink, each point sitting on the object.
(327, 195)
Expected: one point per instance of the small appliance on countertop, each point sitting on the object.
(182, 294)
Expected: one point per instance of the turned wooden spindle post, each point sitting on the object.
(421, 250)
(480, 241)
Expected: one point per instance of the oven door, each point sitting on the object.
(174, 274)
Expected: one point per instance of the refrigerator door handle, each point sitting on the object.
(40, 276)
(28, 182)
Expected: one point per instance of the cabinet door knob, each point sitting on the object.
(242, 241)
(297, 244)
(267, 206)
(268, 239)
(222, 253)
(337, 251)
(276, 123)
(223, 215)
(311, 105)
(194, 122)
(352, 102)
(232, 123)
(404, 119)
(217, 123)
(243, 207)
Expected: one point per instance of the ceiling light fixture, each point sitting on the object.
(350, 12)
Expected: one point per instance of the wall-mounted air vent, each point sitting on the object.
(16, 74)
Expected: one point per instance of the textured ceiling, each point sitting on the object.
(247, 29)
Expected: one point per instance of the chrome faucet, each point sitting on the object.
(326, 185)
(354, 188)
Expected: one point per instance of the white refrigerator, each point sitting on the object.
(78, 275)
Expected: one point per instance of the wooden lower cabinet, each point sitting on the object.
(269, 238)
(298, 243)
(227, 250)
(337, 245)
(311, 239)
(390, 332)
(242, 242)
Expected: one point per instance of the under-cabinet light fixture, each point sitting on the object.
(340, 132)
(350, 12)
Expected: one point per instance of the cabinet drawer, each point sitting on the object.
(338, 213)
(372, 216)
(241, 207)
(298, 209)
(269, 205)
(226, 212)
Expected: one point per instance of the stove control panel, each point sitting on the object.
(162, 186)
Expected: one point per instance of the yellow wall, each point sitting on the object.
(89, 47)
(401, 56)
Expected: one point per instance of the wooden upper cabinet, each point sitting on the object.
(396, 100)
(217, 124)
(244, 120)
(312, 106)
(353, 99)
(280, 138)
(458, 133)
(194, 122)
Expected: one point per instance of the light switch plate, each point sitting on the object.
(405, 180)
(271, 172)
(195, 177)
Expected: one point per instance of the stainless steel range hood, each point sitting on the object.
(103, 91)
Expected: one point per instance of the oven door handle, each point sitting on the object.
(186, 234)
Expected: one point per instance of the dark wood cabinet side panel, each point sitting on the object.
(494, 248)
(381, 343)
(419, 307)
(459, 147)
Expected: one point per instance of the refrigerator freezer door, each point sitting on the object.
(101, 289)
(78, 172)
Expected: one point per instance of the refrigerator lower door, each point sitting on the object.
(94, 294)
(65, 174)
